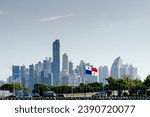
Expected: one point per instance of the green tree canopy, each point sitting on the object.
(39, 88)
(7, 87)
(147, 82)
(11, 87)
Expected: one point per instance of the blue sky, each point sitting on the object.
(96, 31)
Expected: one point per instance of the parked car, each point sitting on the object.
(49, 94)
(100, 94)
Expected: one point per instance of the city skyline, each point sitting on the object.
(49, 71)
(96, 31)
(56, 57)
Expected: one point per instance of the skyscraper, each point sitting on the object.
(133, 72)
(65, 63)
(56, 63)
(65, 70)
(47, 64)
(124, 71)
(120, 70)
(70, 68)
(24, 76)
(16, 73)
(103, 74)
(115, 69)
(81, 71)
(31, 76)
(38, 68)
(46, 78)
(46, 74)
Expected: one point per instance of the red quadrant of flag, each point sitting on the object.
(94, 69)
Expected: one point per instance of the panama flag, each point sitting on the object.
(91, 70)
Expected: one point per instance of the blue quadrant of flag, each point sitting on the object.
(88, 72)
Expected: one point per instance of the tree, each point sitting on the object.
(95, 86)
(64, 89)
(147, 82)
(112, 83)
(7, 87)
(40, 88)
(139, 87)
(106, 87)
(18, 86)
(121, 85)
(13, 87)
(131, 86)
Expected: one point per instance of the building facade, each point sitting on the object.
(120, 70)
(115, 69)
(103, 74)
(65, 70)
(56, 63)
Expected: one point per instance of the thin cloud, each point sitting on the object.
(48, 19)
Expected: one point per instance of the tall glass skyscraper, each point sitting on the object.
(65, 64)
(103, 74)
(70, 67)
(115, 69)
(120, 70)
(16, 73)
(31, 76)
(56, 63)
(23, 75)
(65, 70)
(46, 74)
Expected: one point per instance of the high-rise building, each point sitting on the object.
(56, 63)
(82, 71)
(65, 64)
(120, 70)
(103, 74)
(133, 72)
(46, 78)
(38, 69)
(31, 76)
(74, 80)
(47, 64)
(72, 74)
(115, 69)
(24, 76)
(27, 78)
(70, 68)
(16, 73)
(46, 74)
(124, 71)
(65, 70)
